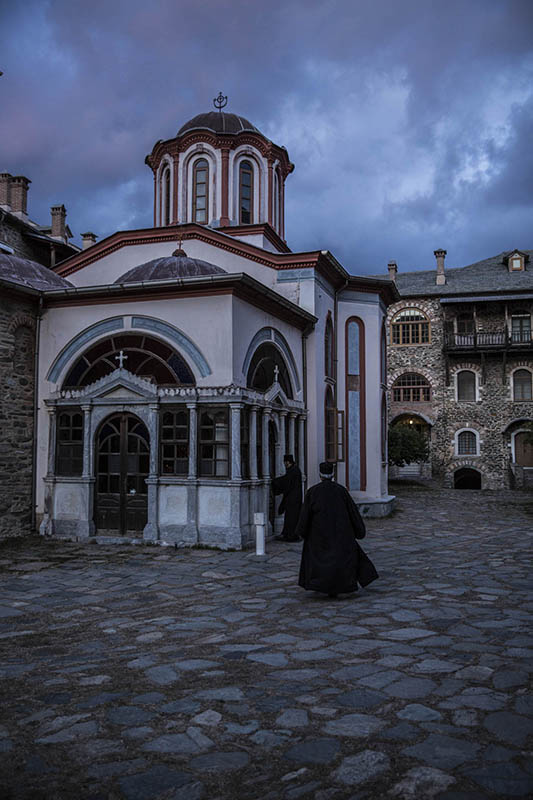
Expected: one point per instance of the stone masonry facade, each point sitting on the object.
(17, 390)
(493, 416)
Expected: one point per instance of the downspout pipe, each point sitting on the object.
(35, 416)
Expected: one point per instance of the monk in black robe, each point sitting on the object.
(290, 486)
(330, 524)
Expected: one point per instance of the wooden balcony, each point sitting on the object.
(490, 342)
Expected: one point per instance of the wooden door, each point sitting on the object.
(523, 451)
(123, 461)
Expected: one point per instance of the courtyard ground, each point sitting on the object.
(143, 673)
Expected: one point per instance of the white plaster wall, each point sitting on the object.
(190, 315)
(323, 302)
(247, 321)
(369, 309)
(111, 267)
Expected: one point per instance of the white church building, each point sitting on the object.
(179, 363)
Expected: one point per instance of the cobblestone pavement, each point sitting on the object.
(143, 673)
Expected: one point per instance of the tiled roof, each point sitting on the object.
(24, 272)
(489, 275)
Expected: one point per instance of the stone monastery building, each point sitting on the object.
(153, 381)
(460, 369)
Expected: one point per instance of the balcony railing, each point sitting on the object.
(493, 340)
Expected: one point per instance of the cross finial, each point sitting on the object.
(276, 374)
(220, 101)
(121, 358)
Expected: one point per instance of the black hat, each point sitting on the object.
(326, 469)
(288, 457)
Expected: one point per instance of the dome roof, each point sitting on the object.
(178, 265)
(30, 273)
(219, 122)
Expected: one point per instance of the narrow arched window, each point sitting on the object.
(275, 201)
(329, 349)
(466, 385)
(200, 200)
(246, 192)
(522, 385)
(166, 196)
(330, 425)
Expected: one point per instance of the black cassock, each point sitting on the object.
(290, 486)
(332, 560)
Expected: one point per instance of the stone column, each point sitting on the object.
(266, 419)
(151, 529)
(193, 438)
(301, 443)
(236, 471)
(292, 420)
(52, 438)
(224, 218)
(283, 431)
(253, 443)
(86, 408)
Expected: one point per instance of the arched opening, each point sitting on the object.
(410, 326)
(522, 385)
(467, 478)
(200, 194)
(466, 385)
(246, 192)
(411, 388)
(266, 366)
(142, 355)
(415, 469)
(122, 466)
(523, 449)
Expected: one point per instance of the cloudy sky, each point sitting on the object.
(410, 122)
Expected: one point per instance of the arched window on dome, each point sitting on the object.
(166, 196)
(262, 370)
(275, 200)
(144, 356)
(246, 193)
(200, 196)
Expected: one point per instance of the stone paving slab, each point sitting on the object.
(141, 673)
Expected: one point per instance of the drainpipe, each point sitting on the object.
(35, 417)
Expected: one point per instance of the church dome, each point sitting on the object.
(178, 265)
(30, 273)
(218, 122)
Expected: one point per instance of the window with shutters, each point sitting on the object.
(466, 385)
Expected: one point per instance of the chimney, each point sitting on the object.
(393, 270)
(19, 195)
(59, 215)
(441, 277)
(88, 239)
(5, 191)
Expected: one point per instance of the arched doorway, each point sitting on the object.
(122, 466)
(523, 449)
(467, 478)
(416, 469)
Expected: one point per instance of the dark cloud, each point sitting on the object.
(409, 122)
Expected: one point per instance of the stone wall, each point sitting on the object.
(11, 230)
(494, 415)
(17, 386)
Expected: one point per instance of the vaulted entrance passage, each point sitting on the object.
(122, 466)
(466, 478)
(523, 449)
